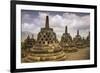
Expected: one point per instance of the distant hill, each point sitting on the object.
(24, 35)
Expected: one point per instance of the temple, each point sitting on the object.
(88, 40)
(46, 36)
(47, 47)
(66, 38)
(29, 42)
(77, 40)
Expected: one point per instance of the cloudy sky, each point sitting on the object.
(32, 21)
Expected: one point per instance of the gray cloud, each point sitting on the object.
(58, 22)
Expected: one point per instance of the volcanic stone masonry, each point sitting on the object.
(48, 48)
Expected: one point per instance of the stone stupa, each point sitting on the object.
(66, 39)
(78, 42)
(67, 42)
(47, 47)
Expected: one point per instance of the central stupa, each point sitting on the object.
(46, 36)
(47, 47)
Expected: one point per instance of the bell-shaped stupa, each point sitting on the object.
(47, 47)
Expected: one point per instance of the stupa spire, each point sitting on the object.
(89, 33)
(77, 32)
(47, 22)
(32, 36)
(66, 31)
(28, 37)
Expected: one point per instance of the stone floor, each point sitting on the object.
(81, 54)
